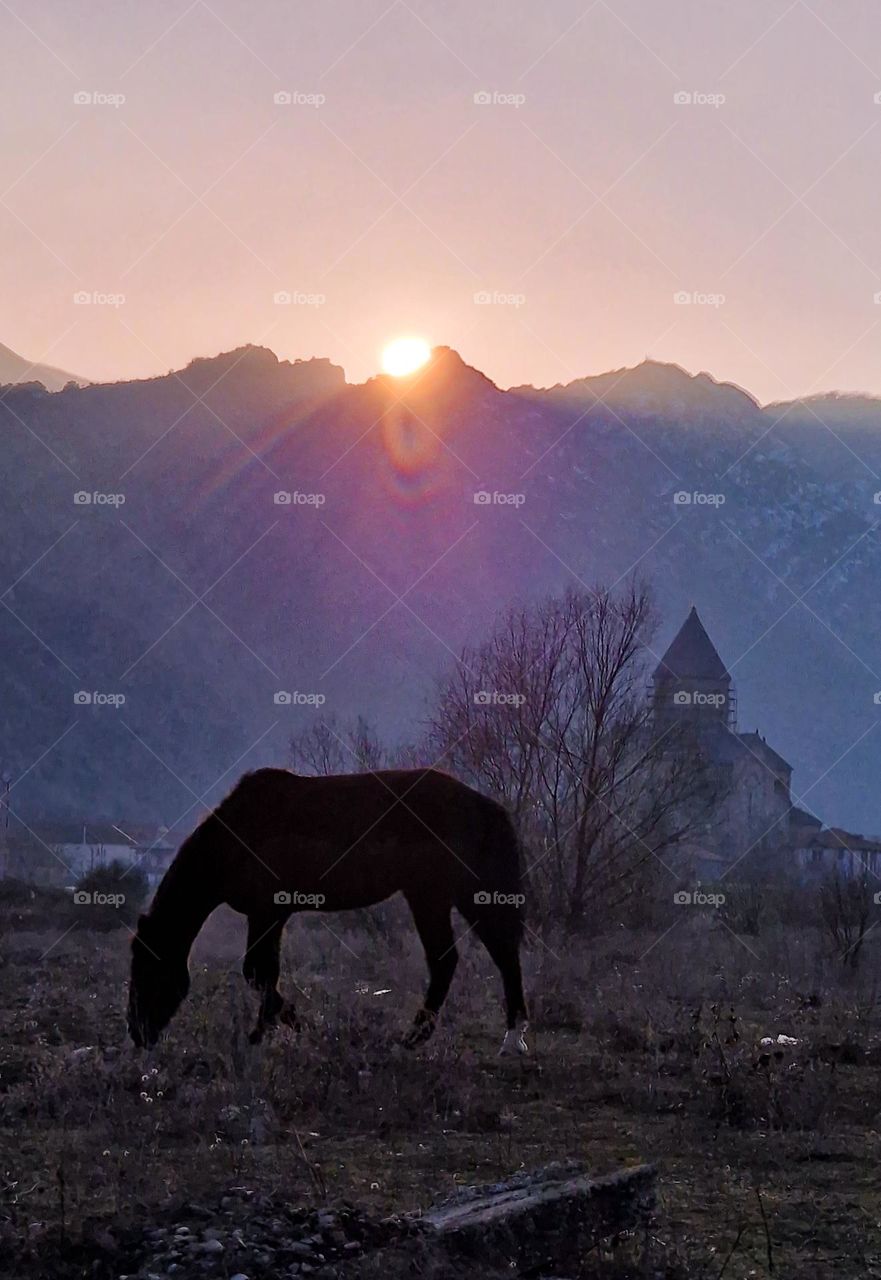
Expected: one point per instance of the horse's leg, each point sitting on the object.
(436, 932)
(261, 968)
(505, 952)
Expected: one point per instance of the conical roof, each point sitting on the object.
(691, 655)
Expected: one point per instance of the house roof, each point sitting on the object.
(837, 838)
(142, 833)
(95, 833)
(802, 818)
(725, 746)
(756, 743)
(691, 654)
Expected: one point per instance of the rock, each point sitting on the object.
(540, 1223)
(301, 1250)
(544, 1219)
(209, 1246)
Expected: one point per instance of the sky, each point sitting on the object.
(553, 189)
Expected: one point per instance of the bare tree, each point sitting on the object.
(846, 902)
(550, 714)
(329, 746)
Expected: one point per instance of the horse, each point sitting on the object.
(282, 843)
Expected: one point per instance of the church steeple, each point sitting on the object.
(691, 681)
(691, 654)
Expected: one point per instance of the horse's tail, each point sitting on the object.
(501, 893)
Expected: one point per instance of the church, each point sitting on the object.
(754, 813)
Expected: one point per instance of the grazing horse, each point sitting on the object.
(281, 843)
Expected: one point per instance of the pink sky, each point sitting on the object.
(581, 199)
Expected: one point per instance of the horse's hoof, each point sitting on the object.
(421, 1030)
(514, 1042)
(417, 1036)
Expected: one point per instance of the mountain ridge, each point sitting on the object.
(199, 596)
(650, 375)
(16, 369)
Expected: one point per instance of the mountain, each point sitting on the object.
(15, 368)
(656, 387)
(150, 556)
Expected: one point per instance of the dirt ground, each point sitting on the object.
(644, 1047)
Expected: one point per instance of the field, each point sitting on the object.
(645, 1046)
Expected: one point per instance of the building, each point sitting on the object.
(692, 687)
(62, 853)
(753, 812)
(818, 850)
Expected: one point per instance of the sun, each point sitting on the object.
(405, 355)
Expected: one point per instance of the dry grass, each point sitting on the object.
(644, 1047)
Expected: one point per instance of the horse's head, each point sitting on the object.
(159, 981)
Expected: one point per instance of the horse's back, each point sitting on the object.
(358, 838)
(282, 787)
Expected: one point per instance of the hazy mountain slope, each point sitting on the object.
(15, 368)
(365, 596)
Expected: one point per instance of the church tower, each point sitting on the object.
(691, 682)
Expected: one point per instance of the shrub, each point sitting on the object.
(110, 895)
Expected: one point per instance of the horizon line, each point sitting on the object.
(436, 349)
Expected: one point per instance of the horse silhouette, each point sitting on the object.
(281, 843)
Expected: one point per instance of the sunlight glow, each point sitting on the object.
(405, 355)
